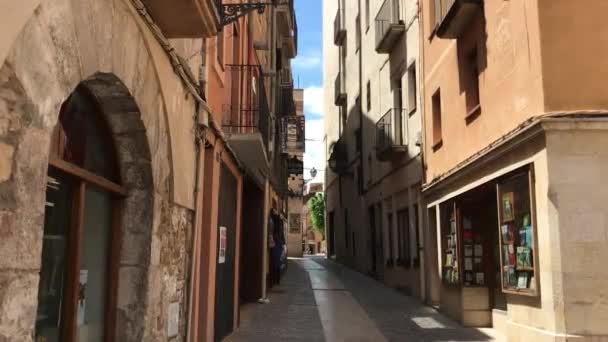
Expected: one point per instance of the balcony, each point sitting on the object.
(286, 77)
(185, 18)
(338, 157)
(390, 140)
(285, 103)
(295, 166)
(388, 26)
(453, 16)
(339, 28)
(246, 116)
(287, 25)
(340, 91)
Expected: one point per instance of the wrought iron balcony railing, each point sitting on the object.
(452, 16)
(390, 134)
(247, 111)
(389, 28)
(285, 103)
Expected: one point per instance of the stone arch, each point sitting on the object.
(56, 51)
(122, 115)
(22, 197)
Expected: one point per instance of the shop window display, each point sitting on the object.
(451, 268)
(517, 235)
(472, 242)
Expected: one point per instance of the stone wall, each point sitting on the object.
(578, 163)
(106, 45)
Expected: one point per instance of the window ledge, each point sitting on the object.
(473, 114)
(437, 145)
(412, 111)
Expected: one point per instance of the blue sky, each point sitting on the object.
(308, 74)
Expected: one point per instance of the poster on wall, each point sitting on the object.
(292, 134)
(222, 250)
(82, 290)
(295, 223)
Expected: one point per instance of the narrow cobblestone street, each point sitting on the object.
(320, 300)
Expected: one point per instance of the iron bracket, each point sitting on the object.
(232, 12)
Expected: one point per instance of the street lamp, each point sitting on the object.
(313, 173)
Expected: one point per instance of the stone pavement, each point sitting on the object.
(320, 300)
(291, 315)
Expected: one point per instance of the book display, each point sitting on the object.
(472, 242)
(516, 235)
(451, 271)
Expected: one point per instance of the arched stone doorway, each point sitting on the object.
(133, 212)
(22, 203)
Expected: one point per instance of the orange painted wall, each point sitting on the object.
(536, 56)
(574, 43)
(510, 80)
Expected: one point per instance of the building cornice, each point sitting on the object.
(529, 129)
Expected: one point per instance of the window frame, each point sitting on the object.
(527, 172)
(82, 179)
(412, 89)
(369, 95)
(472, 93)
(367, 16)
(436, 112)
(416, 256)
(404, 236)
(358, 32)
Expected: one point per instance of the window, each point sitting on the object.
(295, 223)
(411, 88)
(369, 96)
(403, 238)
(219, 46)
(471, 70)
(83, 190)
(517, 235)
(346, 228)
(344, 115)
(366, 15)
(390, 239)
(436, 103)
(400, 122)
(450, 271)
(416, 254)
(358, 32)
(331, 236)
(436, 13)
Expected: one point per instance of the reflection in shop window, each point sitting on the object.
(517, 235)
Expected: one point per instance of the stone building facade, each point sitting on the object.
(505, 148)
(372, 126)
(512, 153)
(85, 85)
(295, 183)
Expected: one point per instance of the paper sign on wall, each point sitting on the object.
(222, 250)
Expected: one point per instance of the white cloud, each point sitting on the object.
(315, 149)
(307, 61)
(313, 100)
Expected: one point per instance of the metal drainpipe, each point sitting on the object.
(198, 190)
